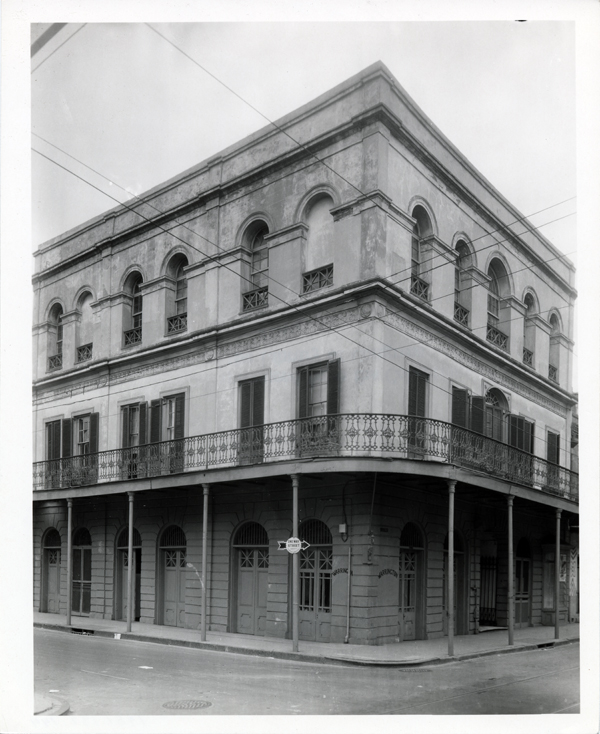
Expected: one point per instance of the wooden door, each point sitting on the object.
(174, 587)
(522, 576)
(252, 584)
(82, 580)
(408, 595)
(51, 601)
(315, 594)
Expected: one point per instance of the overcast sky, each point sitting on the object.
(121, 100)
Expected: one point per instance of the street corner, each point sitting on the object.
(44, 705)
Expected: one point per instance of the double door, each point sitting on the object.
(315, 594)
(51, 600)
(252, 585)
(82, 581)
(123, 598)
(407, 612)
(174, 576)
(522, 576)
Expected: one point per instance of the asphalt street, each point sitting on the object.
(104, 676)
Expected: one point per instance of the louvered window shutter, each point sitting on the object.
(66, 438)
(179, 415)
(477, 414)
(125, 426)
(53, 440)
(258, 401)
(155, 407)
(514, 439)
(94, 424)
(417, 387)
(553, 447)
(528, 436)
(303, 392)
(460, 407)
(143, 409)
(333, 387)
(246, 403)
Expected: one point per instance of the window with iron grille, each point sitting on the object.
(84, 353)
(317, 279)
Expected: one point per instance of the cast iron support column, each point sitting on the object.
(206, 488)
(450, 605)
(69, 557)
(511, 575)
(295, 565)
(130, 564)
(557, 576)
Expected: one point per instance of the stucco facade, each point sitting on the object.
(340, 298)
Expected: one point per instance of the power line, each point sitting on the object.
(58, 47)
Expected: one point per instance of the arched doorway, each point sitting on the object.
(82, 572)
(460, 616)
(316, 563)
(522, 583)
(51, 572)
(411, 583)
(122, 573)
(251, 568)
(172, 550)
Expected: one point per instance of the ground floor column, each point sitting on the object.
(69, 557)
(511, 581)
(130, 564)
(557, 576)
(450, 575)
(206, 490)
(295, 565)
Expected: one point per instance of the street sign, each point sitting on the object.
(293, 545)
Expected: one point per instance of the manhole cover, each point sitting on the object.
(186, 704)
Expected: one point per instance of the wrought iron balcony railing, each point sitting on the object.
(461, 314)
(317, 279)
(553, 373)
(255, 299)
(84, 353)
(55, 362)
(418, 287)
(527, 357)
(132, 336)
(495, 336)
(177, 323)
(347, 435)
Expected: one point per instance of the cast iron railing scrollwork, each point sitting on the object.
(372, 435)
(461, 314)
(177, 323)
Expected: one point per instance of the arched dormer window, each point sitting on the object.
(528, 330)
(497, 288)
(553, 359)
(422, 228)
(256, 287)
(177, 304)
(133, 317)
(461, 312)
(318, 248)
(85, 336)
(55, 338)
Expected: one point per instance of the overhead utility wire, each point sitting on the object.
(58, 47)
(296, 308)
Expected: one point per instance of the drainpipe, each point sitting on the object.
(206, 488)
(347, 637)
(130, 562)
(557, 575)
(69, 557)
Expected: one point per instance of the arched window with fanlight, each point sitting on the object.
(461, 295)
(318, 246)
(55, 338)
(498, 288)
(255, 287)
(132, 332)
(177, 298)
(85, 335)
(529, 330)
(421, 229)
(554, 356)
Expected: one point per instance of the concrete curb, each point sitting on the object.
(310, 658)
(48, 706)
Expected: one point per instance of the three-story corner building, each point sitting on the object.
(336, 324)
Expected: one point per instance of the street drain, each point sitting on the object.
(186, 705)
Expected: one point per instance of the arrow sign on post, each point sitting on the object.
(293, 545)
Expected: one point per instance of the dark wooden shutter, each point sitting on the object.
(66, 438)
(460, 407)
(333, 387)
(246, 404)
(94, 424)
(417, 387)
(528, 436)
(303, 392)
(553, 447)
(155, 407)
(179, 415)
(258, 401)
(477, 414)
(125, 426)
(514, 439)
(53, 440)
(143, 409)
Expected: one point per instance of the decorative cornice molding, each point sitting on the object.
(468, 360)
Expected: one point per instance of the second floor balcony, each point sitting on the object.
(369, 435)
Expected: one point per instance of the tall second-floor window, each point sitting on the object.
(55, 338)
(553, 359)
(256, 287)
(177, 299)
(132, 333)
(422, 228)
